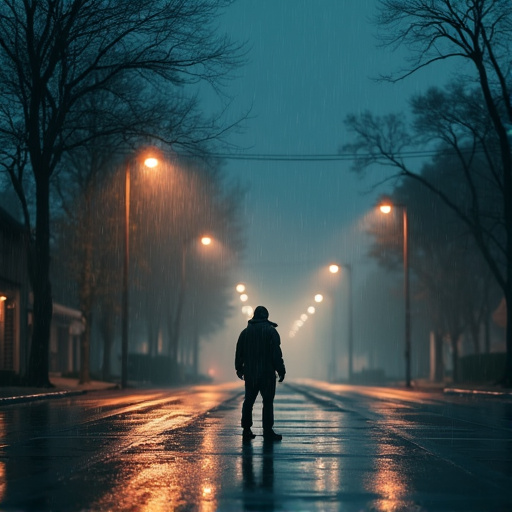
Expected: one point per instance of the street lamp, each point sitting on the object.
(205, 240)
(387, 208)
(150, 162)
(334, 269)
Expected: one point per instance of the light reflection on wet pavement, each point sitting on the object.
(342, 450)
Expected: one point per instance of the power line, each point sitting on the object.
(320, 157)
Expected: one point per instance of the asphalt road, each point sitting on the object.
(344, 449)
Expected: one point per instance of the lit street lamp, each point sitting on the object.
(150, 162)
(386, 208)
(206, 241)
(334, 269)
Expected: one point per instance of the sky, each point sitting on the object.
(310, 64)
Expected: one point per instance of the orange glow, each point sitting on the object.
(151, 162)
(385, 208)
(334, 269)
(206, 240)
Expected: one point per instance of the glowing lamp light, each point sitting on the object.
(333, 269)
(240, 288)
(151, 162)
(311, 310)
(206, 240)
(303, 317)
(247, 310)
(319, 297)
(385, 208)
(244, 297)
(2, 298)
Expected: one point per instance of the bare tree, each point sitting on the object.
(57, 53)
(478, 32)
(450, 279)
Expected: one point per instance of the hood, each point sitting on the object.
(261, 315)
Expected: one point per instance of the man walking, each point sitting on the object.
(257, 360)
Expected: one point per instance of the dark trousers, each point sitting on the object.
(266, 386)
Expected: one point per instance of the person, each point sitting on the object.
(258, 358)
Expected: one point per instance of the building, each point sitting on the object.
(16, 311)
(14, 293)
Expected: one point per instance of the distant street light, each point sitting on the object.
(206, 240)
(386, 208)
(334, 269)
(319, 297)
(150, 162)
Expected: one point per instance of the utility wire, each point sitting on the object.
(320, 157)
(316, 157)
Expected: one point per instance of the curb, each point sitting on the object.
(40, 396)
(476, 392)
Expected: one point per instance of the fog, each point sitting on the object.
(309, 65)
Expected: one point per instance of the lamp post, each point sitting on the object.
(150, 162)
(206, 241)
(334, 269)
(386, 208)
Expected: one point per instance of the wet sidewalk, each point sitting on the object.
(62, 387)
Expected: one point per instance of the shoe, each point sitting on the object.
(247, 434)
(270, 435)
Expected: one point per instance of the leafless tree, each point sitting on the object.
(55, 54)
(479, 34)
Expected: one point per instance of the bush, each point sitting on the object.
(482, 367)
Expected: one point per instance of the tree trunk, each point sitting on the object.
(474, 328)
(86, 295)
(85, 344)
(107, 333)
(487, 331)
(438, 347)
(152, 327)
(38, 366)
(195, 355)
(173, 347)
(507, 377)
(455, 356)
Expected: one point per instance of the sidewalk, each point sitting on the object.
(63, 387)
(449, 388)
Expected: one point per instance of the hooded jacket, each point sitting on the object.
(258, 350)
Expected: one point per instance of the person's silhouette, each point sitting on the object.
(257, 360)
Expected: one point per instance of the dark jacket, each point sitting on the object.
(258, 350)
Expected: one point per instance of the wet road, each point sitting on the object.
(344, 449)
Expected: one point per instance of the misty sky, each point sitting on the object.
(310, 63)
